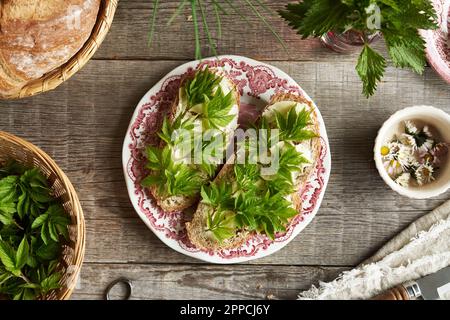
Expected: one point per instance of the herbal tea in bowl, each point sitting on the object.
(411, 152)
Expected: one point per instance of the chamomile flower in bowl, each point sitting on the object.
(411, 152)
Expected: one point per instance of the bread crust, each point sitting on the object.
(39, 36)
(196, 229)
(179, 203)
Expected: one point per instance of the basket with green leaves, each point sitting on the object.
(42, 233)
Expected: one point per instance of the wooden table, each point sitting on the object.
(82, 125)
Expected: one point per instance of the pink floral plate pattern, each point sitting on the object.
(257, 83)
(437, 41)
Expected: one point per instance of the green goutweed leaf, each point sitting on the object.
(32, 224)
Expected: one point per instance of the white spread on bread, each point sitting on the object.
(227, 86)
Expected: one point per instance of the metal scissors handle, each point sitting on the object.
(128, 284)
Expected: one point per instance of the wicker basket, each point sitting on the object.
(12, 147)
(56, 77)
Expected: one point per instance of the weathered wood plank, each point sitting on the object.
(128, 38)
(201, 282)
(334, 238)
(82, 125)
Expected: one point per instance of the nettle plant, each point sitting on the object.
(398, 21)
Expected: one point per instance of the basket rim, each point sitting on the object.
(52, 79)
(65, 292)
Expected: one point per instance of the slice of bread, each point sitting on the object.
(313, 145)
(180, 202)
(197, 228)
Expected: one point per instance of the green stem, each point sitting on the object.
(211, 42)
(219, 7)
(24, 278)
(232, 6)
(153, 22)
(267, 24)
(265, 7)
(177, 12)
(18, 225)
(218, 21)
(198, 53)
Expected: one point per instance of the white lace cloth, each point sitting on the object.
(421, 249)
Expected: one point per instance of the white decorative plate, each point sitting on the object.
(257, 83)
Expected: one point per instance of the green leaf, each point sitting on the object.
(153, 154)
(62, 229)
(39, 221)
(316, 17)
(293, 125)
(8, 189)
(222, 224)
(32, 262)
(407, 52)
(4, 277)
(48, 251)
(7, 211)
(28, 272)
(36, 186)
(21, 211)
(51, 283)
(22, 254)
(45, 236)
(201, 86)
(399, 23)
(391, 3)
(371, 66)
(152, 180)
(7, 256)
(53, 232)
(215, 111)
(221, 234)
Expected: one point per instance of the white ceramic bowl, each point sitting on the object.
(436, 118)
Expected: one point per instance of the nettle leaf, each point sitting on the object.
(370, 68)
(401, 20)
(407, 51)
(317, 17)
